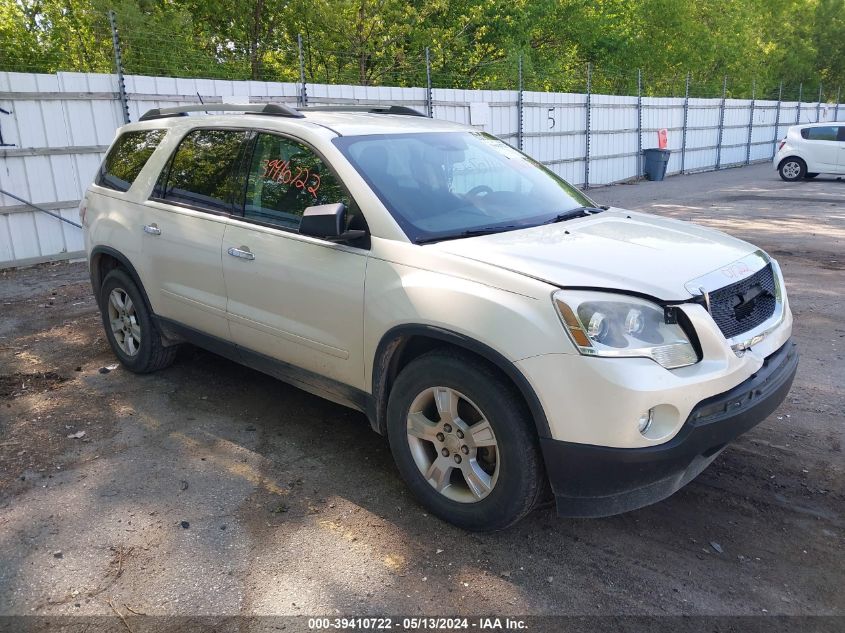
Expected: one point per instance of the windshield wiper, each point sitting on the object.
(487, 230)
(577, 212)
(571, 214)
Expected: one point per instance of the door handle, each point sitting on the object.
(243, 252)
(152, 229)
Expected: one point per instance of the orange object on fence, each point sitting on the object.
(662, 138)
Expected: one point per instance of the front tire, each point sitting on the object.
(792, 169)
(131, 332)
(464, 441)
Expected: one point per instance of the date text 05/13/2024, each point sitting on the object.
(417, 624)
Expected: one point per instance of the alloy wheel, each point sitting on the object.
(792, 169)
(453, 444)
(124, 322)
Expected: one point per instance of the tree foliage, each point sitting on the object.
(473, 43)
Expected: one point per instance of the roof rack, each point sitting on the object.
(394, 109)
(270, 109)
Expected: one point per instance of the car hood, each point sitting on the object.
(616, 249)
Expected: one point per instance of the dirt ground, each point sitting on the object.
(210, 489)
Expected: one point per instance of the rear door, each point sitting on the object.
(115, 218)
(294, 298)
(186, 219)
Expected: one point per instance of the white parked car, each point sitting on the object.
(811, 149)
(501, 329)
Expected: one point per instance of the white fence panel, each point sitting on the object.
(60, 126)
(58, 129)
(496, 113)
(763, 133)
(6, 252)
(702, 134)
(613, 138)
(735, 134)
(554, 128)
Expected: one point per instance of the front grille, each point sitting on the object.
(744, 305)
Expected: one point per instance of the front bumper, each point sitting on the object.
(594, 481)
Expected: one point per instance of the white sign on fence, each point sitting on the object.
(479, 113)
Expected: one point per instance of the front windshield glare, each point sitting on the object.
(443, 185)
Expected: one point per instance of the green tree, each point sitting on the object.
(473, 43)
(829, 40)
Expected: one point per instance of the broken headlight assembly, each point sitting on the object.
(622, 326)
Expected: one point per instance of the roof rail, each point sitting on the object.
(270, 109)
(375, 109)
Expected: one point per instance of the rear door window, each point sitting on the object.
(285, 178)
(826, 133)
(127, 158)
(202, 173)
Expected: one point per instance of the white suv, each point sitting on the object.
(809, 150)
(501, 329)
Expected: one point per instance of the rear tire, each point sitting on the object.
(131, 332)
(810, 176)
(792, 169)
(464, 441)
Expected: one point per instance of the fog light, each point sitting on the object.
(645, 421)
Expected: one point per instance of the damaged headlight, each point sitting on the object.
(604, 324)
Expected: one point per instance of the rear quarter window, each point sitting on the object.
(127, 158)
(820, 133)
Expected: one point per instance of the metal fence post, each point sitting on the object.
(639, 123)
(587, 127)
(686, 118)
(118, 62)
(721, 123)
(302, 100)
(777, 120)
(519, 113)
(429, 104)
(838, 94)
(751, 122)
(819, 104)
(800, 97)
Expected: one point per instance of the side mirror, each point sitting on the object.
(327, 221)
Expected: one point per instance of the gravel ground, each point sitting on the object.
(211, 489)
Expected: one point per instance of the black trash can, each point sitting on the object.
(655, 163)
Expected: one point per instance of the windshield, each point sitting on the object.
(442, 185)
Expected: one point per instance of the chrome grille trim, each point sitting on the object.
(736, 272)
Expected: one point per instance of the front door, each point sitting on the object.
(296, 299)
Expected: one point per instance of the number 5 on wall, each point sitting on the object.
(551, 118)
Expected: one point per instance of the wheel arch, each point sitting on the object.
(104, 259)
(403, 343)
(792, 157)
